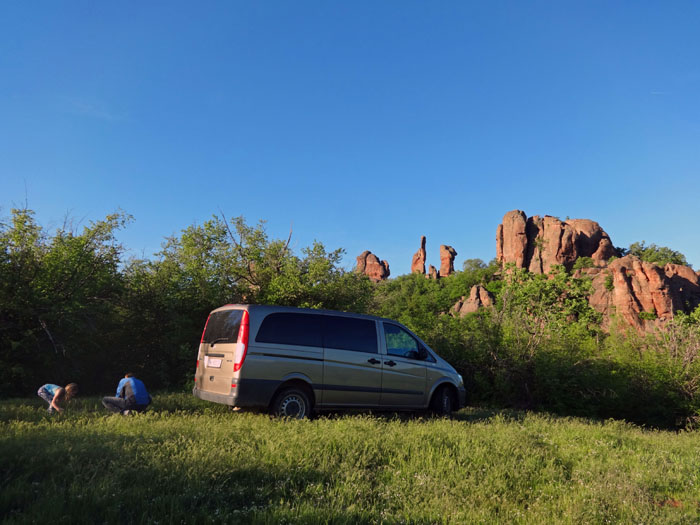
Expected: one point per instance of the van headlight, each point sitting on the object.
(461, 379)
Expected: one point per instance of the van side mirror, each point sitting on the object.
(422, 353)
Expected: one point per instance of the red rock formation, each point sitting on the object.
(479, 297)
(433, 273)
(685, 286)
(538, 243)
(640, 287)
(640, 294)
(591, 238)
(418, 261)
(511, 240)
(629, 287)
(447, 258)
(369, 264)
(550, 242)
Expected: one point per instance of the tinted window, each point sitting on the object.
(346, 333)
(291, 329)
(222, 327)
(399, 342)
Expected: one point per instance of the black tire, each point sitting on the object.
(293, 403)
(443, 402)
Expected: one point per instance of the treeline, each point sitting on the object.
(72, 308)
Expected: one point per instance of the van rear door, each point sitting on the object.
(217, 350)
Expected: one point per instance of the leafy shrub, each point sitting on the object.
(583, 262)
(609, 283)
(659, 255)
(648, 316)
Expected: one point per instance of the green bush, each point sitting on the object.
(609, 283)
(659, 255)
(648, 316)
(583, 262)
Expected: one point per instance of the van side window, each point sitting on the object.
(291, 329)
(346, 333)
(223, 327)
(399, 342)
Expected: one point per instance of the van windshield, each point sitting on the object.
(223, 327)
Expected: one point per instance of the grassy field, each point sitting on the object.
(189, 461)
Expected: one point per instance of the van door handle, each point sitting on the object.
(390, 363)
(373, 361)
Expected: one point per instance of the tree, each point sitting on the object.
(535, 306)
(167, 300)
(659, 255)
(57, 295)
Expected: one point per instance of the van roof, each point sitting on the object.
(265, 308)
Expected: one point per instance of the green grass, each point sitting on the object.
(191, 461)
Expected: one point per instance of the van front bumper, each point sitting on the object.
(224, 399)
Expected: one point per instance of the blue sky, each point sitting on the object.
(363, 125)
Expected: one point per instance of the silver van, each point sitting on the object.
(293, 361)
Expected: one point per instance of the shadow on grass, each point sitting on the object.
(100, 476)
(484, 414)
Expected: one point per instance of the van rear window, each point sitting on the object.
(223, 327)
(291, 329)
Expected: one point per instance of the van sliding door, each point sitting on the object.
(352, 373)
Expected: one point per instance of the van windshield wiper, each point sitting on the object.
(219, 340)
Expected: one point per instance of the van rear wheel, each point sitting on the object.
(292, 403)
(443, 402)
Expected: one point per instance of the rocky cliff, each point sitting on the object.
(537, 243)
(641, 294)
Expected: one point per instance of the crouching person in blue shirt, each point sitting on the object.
(131, 396)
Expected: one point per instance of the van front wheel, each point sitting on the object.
(443, 402)
(292, 403)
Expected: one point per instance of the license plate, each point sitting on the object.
(212, 362)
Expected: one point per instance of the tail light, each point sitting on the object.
(205, 329)
(242, 345)
(196, 369)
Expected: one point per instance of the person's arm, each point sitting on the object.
(54, 401)
(120, 389)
